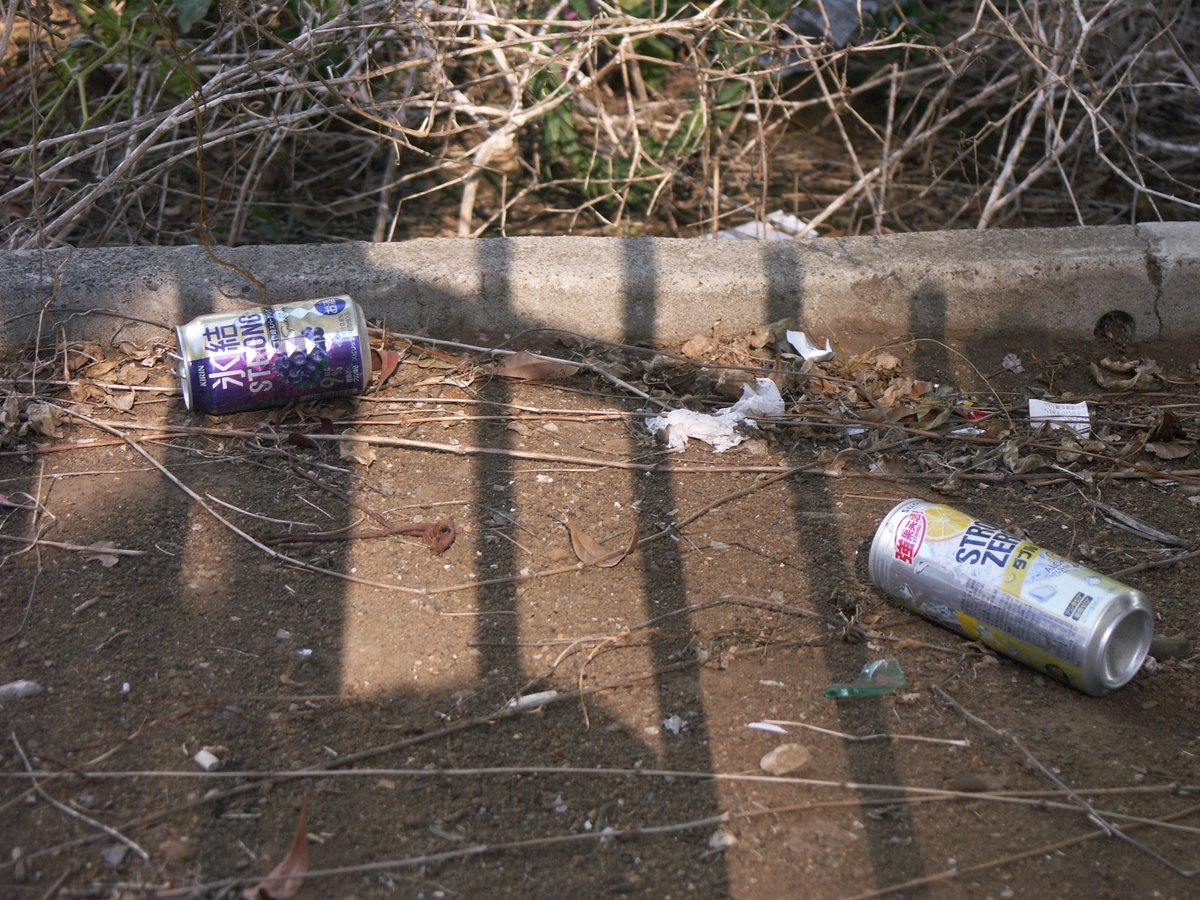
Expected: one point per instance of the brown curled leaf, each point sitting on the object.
(301, 439)
(287, 878)
(439, 536)
(591, 552)
(296, 439)
(385, 362)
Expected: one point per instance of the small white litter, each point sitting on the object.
(530, 702)
(766, 726)
(674, 724)
(1061, 415)
(718, 429)
(809, 351)
(779, 226)
(207, 760)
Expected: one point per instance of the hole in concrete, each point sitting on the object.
(1117, 326)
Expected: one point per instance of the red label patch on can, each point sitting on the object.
(910, 535)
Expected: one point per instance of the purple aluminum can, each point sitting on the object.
(1076, 625)
(271, 355)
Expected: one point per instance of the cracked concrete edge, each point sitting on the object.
(955, 286)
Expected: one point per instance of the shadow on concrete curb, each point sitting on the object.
(961, 285)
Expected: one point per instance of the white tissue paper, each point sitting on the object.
(809, 351)
(718, 429)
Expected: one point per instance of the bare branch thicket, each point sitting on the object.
(384, 119)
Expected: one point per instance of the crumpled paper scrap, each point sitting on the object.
(809, 351)
(718, 429)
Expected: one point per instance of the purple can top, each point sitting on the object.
(271, 355)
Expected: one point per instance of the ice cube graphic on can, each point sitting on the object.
(266, 356)
(1076, 625)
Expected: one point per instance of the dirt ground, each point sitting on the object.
(368, 680)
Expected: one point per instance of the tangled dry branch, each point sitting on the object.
(312, 120)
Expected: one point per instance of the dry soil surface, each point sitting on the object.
(370, 681)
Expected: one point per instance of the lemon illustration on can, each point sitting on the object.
(943, 523)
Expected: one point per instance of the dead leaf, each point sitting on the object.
(901, 390)
(10, 412)
(1136, 444)
(1169, 429)
(1010, 452)
(932, 415)
(108, 560)
(1146, 376)
(385, 362)
(296, 439)
(886, 362)
(301, 439)
(133, 374)
(835, 463)
(770, 334)
(122, 400)
(356, 451)
(102, 368)
(730, 383)
(527, 366)
(128, 348)
(1169, 449)
(1120, 366)
(44, 418)
(83, 354)
(591, 552)
(888, 464)
(287, 878)
(1070, 449)
(83, 391)
(696, 346)
(437, 536)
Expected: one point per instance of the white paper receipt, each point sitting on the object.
(1061, 415)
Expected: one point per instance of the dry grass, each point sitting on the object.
(385, 119)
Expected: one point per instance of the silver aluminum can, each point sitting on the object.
(271, 355)
(1076, 625)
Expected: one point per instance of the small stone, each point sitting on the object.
(115, 855)
(283, 635)
(785, 758)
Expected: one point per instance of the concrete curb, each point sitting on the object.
(957, 286)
